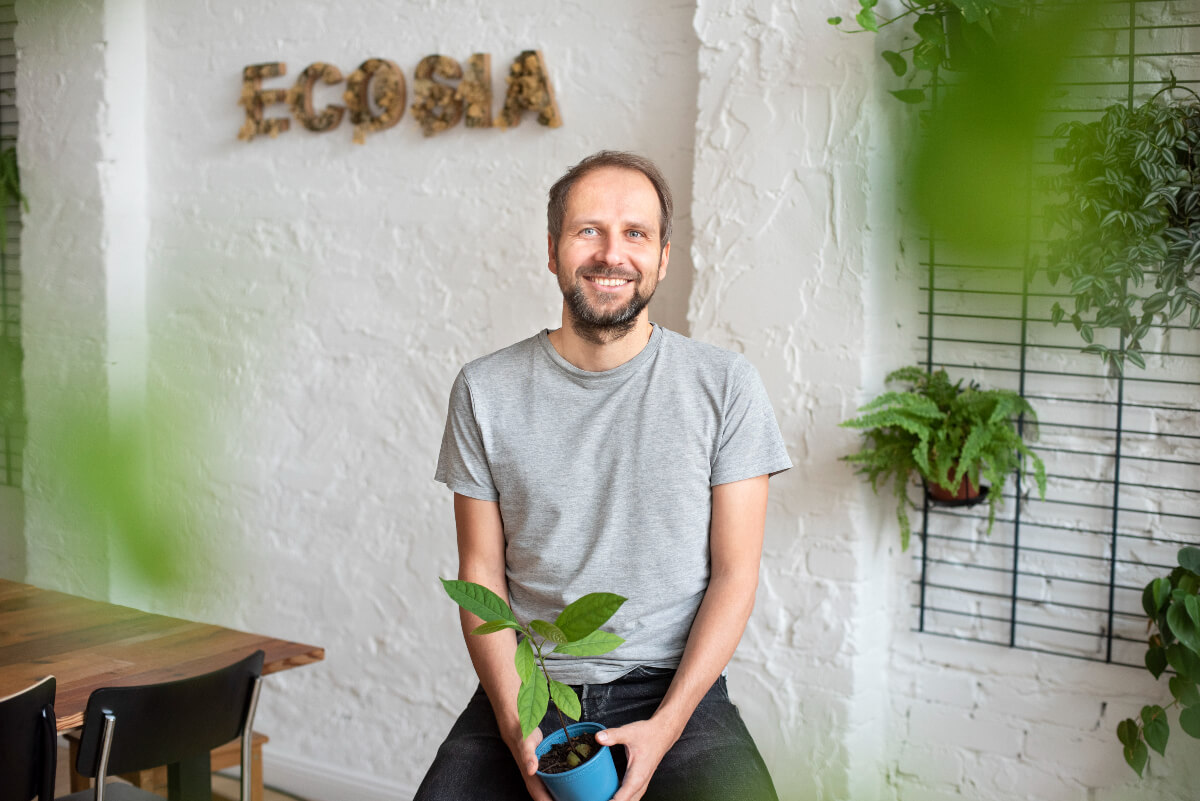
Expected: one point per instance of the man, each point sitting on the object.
(611, 455)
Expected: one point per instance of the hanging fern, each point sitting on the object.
(942, 432)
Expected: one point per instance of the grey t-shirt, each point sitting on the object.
(604, 480)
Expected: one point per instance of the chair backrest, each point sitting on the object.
(161, 724)
(28, 743)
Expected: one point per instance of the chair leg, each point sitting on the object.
(256, 780)
(74, 780)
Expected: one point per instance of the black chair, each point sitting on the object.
(177, 724)
(28, 743)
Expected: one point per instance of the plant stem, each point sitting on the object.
(561, 720)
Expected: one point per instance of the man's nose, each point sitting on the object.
(611, 250)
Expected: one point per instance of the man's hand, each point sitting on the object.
(646, 743)
(523, 751)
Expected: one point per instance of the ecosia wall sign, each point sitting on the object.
(376, 94)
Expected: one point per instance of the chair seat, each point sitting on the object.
(155, 779)
(113, 791)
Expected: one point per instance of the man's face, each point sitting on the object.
(609, 258)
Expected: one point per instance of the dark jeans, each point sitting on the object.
(714, 760)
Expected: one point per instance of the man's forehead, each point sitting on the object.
(628, 186)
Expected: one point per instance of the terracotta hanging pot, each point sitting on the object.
(966, 494)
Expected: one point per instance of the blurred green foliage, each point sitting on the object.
(986, 70)
(100, 460)
(94, 459)
(970, 178)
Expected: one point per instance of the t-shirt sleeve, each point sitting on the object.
(750, 443)
(462, 464)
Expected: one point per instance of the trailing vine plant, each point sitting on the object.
(1173, 605)
(948, 33)
(1131, 212)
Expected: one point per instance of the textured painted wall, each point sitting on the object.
(61, 90)
(786, 135)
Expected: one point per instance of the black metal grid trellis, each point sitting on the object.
(12, 436)
(1064, 575)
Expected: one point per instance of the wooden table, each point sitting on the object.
(90, 644)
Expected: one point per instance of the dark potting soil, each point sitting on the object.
(558, 758)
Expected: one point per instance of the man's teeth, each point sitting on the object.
(611, 281)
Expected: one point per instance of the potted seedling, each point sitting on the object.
(572, 765)
(1172, 605)
(950, 435)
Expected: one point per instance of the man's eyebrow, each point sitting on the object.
(630, 223)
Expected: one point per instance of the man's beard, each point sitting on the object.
(603, 326)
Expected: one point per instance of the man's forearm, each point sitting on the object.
(715, 633)
(492, 657)
(735, 543)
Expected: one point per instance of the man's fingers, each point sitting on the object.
(610, 736)
(632, 788)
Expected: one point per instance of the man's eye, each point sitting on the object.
(588, 231)
(636, 233)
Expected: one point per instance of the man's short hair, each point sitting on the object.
(556, 209)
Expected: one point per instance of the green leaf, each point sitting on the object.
(1182, 627)
(1156, 660)
(1155, 595)
(533, 699)
(1185, 662)
(929, 28)
(1189, 558)
(1137, 755)
(525, 660)
(549, 631)
(910, 96)
(1192, 605)
(834, 20)
(928, 56)
(895, 61)
(1154, 721)
(1189, 721)
(866, 19)
(565, 699)
(596, 643)
(492, 626)
(1136, 357)
(478, 600)
(584, 615)
(1127, 731)
(1184, 690)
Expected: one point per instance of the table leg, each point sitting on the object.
(190, 779)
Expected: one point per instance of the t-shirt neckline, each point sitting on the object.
(604, 376)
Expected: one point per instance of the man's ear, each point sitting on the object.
(662, 261)
(551, 259)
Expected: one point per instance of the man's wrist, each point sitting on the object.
(671, 720)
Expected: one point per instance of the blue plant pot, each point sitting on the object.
(594, 780)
